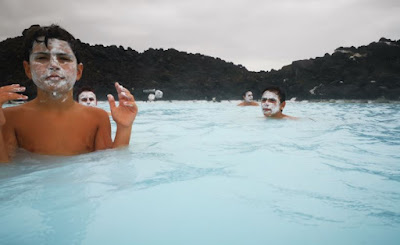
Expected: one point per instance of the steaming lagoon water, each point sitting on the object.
(214, 173)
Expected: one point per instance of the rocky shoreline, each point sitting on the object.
(370, 72)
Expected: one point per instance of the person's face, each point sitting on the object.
(87, 98)
(248, 97)
(54, 68)
(151, 97)
(270, 103)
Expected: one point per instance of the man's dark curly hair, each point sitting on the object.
(280, 92)
(53, 31)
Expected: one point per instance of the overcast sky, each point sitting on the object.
(258, 34)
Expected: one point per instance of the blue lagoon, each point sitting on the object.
(199, 172)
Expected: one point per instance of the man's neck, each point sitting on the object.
(54, 100)
(278, 115)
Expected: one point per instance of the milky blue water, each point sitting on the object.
(214, 173)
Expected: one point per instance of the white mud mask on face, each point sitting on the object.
(270, 103)
(53, 68)
(248, 97)
(87, 98)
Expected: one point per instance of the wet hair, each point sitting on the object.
(280, 92)
(53, 31)
(83, 89)
(245, 92)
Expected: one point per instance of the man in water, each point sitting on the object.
(248, 99)
(272, 103)
(53, 123)
(86, 96)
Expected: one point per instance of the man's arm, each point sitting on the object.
(103, 136)
(124, 114)
(4, 156)
(7, 136)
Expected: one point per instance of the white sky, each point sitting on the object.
(258, 34)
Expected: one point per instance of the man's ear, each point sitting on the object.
(79, 71)
(283, 104)
(27, 69)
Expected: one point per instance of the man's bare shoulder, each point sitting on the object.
(92, 111)
(253, 103)
(290, 117)
(18, 109)
(248, 104)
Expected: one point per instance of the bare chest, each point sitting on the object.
(56, 134)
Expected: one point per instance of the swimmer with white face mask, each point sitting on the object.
(248, 99)
(86, 96)
(273, 102)
(53, 123)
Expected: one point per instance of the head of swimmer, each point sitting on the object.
(86, 96)
(51, 59)
(273, 101)
(247, 96)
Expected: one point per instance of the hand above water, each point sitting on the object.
(125, 113)
(10, 92)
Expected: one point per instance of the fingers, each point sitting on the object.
(10, 92)
(126, 99)
(126, 95)
(130, 103)
(111, 101)
(4, 97)
(123, 93)
(120, 88)
(12, 88)
(12, 96)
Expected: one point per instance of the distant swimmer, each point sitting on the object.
(158, 94)
(53, 123)
(86, 96)
(272, 103)
(151, 97)
(248, 99)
